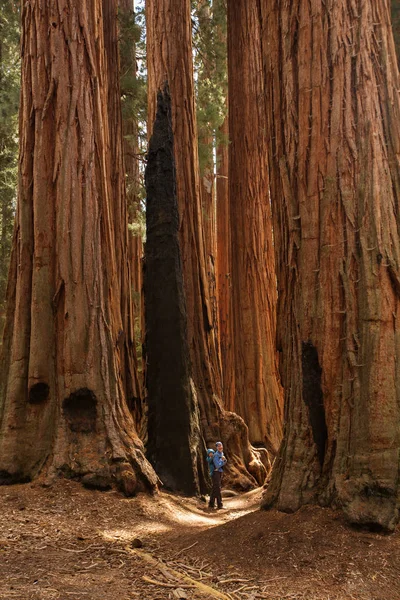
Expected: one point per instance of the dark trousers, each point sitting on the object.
(216, 489)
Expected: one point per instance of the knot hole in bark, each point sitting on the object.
(80, 411)
(38, 393)
(313, 397)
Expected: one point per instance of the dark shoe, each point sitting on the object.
(211, 506)
(220, 507)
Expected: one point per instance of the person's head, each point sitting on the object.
(210, 452)
(219, 447)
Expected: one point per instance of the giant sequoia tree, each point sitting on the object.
(169, 56)
(66, 343)
(258, 395)
(334, 127)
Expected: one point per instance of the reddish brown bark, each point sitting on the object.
(62, 396)
(224, 271)
(207, 199)
(131, 160)
(334, 126)
(119, 203)
(208, 209)
(135, 242)
(258, 394)
(169, 54)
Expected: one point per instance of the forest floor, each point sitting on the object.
(66, 542)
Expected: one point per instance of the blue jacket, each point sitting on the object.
(219, 461)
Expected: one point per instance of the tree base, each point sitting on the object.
(247, 467)
(364, 504)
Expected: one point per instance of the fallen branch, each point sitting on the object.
(192, 569)
(183, 550)
(79, 551)
(239, 589)
(234, 580)
(82, 569)
(202, 587)
(167, 585)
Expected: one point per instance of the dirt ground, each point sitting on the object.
(66, 542)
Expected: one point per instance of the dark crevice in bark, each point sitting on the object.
(313, 397)
(80, 411)
(175, 446)
(39, 393)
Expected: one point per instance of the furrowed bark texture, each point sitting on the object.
(208, 208)
(62, 397)
(169, 54)
(116, 166)
(223, 263)
(135, 243)
(258, 395)
(175, 446)
(224, 271)
(334, 119)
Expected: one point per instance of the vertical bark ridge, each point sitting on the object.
(135, 243)
(224, 271)
(258, 394)
(122, 242)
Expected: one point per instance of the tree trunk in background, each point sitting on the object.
(62, 396)
(135, 243)
(9, 101)
(223, 234)
(169, 56)
(206, 72)
(208, 208)
(334, 126)
(175, 446)
(122, 241)
(224, 271)
(131, 150)
(395, 14)
(258, 394)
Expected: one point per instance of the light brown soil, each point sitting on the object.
(66, 542)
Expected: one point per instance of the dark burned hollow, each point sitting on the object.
(7, 478)
(38, 393)
(80, 411)
(313, 397)
(368, 526)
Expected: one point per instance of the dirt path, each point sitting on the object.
(69, 543)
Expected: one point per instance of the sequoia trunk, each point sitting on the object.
(224, 270)
(116, 166)
(334, 126)
(62, 396)
(169, 55)
(258, 394)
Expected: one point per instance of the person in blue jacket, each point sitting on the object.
(219, 461)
